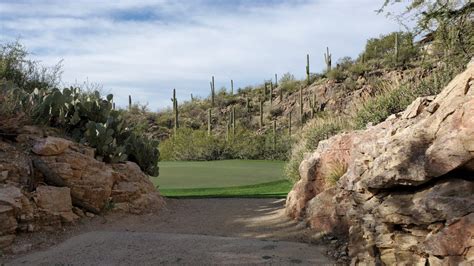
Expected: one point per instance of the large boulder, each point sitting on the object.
(90, 180)
(408, 194)
(133, 191)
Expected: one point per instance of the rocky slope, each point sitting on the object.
(407, 196)
(48, 182)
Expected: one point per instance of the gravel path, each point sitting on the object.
(187, 231)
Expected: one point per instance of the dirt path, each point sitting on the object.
(191, 231)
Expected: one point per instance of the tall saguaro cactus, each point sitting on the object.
(209, 120)
(261, 114)
(213, 91)
(175, 111)
(301, 106)
(328, 59)
(129, 102)
(307, 70)
(231, 87)
(276, 80)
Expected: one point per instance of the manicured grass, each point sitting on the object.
(229, 178)
(275, 189)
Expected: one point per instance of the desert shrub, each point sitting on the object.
(395, 96)
(336, 74)
(288, 83)
(24, 73)
(338, 169)
(358, 69)
(276, 112)
(190, 145)
(381, 51)
(315, 131)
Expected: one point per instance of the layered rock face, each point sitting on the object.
(407, 196)
(59, 181)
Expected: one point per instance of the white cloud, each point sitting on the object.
(147, 58)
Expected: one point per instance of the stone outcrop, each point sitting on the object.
(77, 183)
(407, 196)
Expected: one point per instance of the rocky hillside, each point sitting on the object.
(47, 182)
(405, 189)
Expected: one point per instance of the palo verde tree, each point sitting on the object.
(450, 23)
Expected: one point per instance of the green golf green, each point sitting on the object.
(227, 178)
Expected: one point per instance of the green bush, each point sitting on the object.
(397, 96)
(381, 51)
(336, 74)
(24, 73)
(197, 145)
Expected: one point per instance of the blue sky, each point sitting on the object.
(146, 48)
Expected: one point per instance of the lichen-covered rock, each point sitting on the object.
(408, 194)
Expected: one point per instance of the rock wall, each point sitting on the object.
(78, 185)
(407, 196)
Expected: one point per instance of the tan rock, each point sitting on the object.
(51, 146)
(133, 191)
(91, 181)
(55, 204)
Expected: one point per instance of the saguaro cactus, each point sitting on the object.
(274, 135)
(247, 104)
(176, 115)
(276, 81)
(301, 106)
(209, 120)
(129, 102)
(231, 87)
(213, 91)
(307, 70)
(328, 59)
(261, 114)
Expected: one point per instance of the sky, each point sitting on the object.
(146, 48)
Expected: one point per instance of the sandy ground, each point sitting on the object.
(186, 231)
